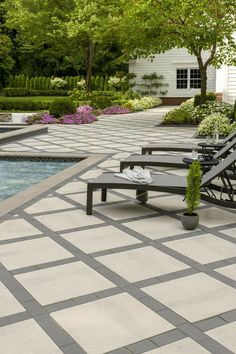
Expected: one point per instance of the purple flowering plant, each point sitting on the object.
(85, 109)
(84, 115)
(116, 110)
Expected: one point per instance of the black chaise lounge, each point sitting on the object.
(172, 184)
(183, 147)
(170, 160)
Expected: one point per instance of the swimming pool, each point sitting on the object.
(18, 175)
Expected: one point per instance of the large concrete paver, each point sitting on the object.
(128, 279)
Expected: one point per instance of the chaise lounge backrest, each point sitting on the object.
(229, 137)
(217, 170)
(225, 149)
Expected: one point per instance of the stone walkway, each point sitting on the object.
(128, 279)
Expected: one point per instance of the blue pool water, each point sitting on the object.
(17, 175)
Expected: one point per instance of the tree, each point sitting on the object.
(78, 27)
(6, 61)
(202, 25)
(6, 49)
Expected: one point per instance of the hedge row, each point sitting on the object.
(23, 105)
(44, 83)
(22, 92)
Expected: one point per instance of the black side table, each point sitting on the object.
(209, 148)
(205, 164)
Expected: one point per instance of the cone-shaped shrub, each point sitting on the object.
(193, 186)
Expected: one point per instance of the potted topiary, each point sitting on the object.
(190, 219)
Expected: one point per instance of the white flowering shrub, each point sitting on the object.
(81, 84)
(232, 127)
(116, 82)
(213, 121)
(145, 102)
(58, 83)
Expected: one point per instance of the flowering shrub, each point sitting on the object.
(48, 119)
(77, 118)
(210, 123)
(186, 113)
(211, 107)
(58, 83)
(177, 116)
(232, 127)
(39, 118)
(81, 84)
(145, 102)
(116, 82)
(85, 109)
(115, 110)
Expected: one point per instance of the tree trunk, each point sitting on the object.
(90, 56)
(203, 72)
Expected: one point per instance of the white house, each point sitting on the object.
(181, 73)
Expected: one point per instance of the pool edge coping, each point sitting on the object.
(21, 133)
(10, 204)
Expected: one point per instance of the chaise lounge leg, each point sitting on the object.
(104, 194)
(89, 209)
(141, 195)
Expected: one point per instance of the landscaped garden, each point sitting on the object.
(207, 117)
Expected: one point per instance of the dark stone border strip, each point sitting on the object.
(12, 203)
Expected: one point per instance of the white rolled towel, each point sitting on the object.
(137, 175)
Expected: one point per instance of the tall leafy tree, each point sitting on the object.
(78, 28)
(95, 23)
(154, 26)
(6, 47)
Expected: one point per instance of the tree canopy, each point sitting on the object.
(86, 36)
(155, 26)
(67, 33)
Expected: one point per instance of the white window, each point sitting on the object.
(188, 79)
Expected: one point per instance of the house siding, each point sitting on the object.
(229, 90)
(166, 64)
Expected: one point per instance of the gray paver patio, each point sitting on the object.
(128, 279)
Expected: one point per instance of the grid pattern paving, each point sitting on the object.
(128, 279)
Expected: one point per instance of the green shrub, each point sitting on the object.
(210, 96)
(194, 177)
(216, 120)
(15, 92)
(177, 116)
(145, 102)
(21, 92)
(48, 93)
(101, 102)
(201, 112)
(186, 113)
(232, 127)
(130, 95)
(27, 106)
(62, 106)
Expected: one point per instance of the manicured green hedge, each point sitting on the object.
(21, 92)
(210, 96)
(10, 105)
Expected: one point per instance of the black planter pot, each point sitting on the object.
(190, 221)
